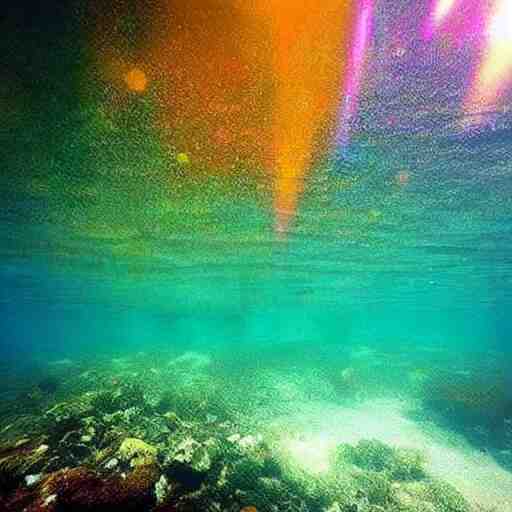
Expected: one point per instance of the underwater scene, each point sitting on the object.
(256, 256)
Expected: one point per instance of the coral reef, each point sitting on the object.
(137, 452)
(372, 455)
(129, 437)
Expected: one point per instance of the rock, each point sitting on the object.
(80, 489)
(173, 422)
(137, 452)
(192, 453)
(32, 479)
(373, 455)
(163, 489)
(18, 461)
(111, 464)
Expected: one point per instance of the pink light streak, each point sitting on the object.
(440, 10)
(494, 75)
(355, 71)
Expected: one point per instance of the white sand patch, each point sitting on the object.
(312, 432)
(191, 361)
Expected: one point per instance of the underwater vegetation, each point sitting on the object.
(129, 435)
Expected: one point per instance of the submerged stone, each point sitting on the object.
(32, 479)
(137, 452)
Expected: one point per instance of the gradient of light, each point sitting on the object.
(355, 71)
(253, 82)
(439, 12)
(310, 46)
(442, 9)
(495, 72)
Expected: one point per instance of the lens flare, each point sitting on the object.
(253, 82)
(442, 10)
(439, 12)
(136, 80)
(494, 74)
(355, 71)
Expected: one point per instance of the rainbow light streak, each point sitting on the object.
(495, 72)
(355, 72)
(439, 12)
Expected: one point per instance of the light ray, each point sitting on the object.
(355, 71)
(493, 77)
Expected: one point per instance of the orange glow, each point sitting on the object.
(310, 40)
(236, 81)
(136, 80)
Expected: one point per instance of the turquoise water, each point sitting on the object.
(382, 316)
(375, 261)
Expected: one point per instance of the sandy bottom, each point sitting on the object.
(316, 428)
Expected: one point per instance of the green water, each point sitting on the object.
(383, 315)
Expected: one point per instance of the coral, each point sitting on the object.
(77, 408)
(137, 452)
(163, 489)
(376, 488)
(81, 490)
(445, 497)
(373, 455)
(105, 402)
(123, 397)
(197, 456)
(172, 420)
(17, 461)
(66, 417)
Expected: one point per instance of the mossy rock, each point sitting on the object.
(81, 490)
(124, 397)
(137, 452)
(376, 488)
(17, 461)
(445, 497)
(373, 455)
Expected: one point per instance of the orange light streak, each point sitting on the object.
(258, 82)
(310, 47)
